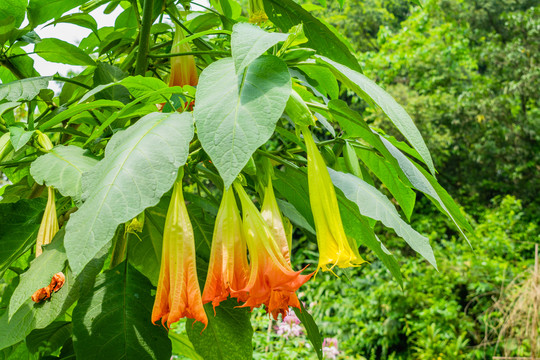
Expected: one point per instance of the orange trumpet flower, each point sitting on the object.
(272, 281)
(178, 294)
(228, 270)
(183, 69)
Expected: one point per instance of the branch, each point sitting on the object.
(144, 39)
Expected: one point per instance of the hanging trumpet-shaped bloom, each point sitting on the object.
(49, 223)
(228, 270)
(272, 215)
(178, 294)
(272, 282)
(334, 247)
(183, 69)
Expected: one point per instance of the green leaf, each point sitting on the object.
(140, 86)
(40, 11)
(228, 335)
(286, 14)
(62, 168)
(182, 346)
(106, 74)
(39, 274)
(8, 106)
(15, 9)
(312, 330)
(390, 178)
(58, 51)
(140, 165)
(19, 226)
(248, 42)
(374, 94)
(77, 109)
(19, 137)
(47, 340)
(294, 215)
(237, 114)
(31, 315)
(327, 83)
(112, 320)
(375, 205)
(429, 186)
(24, 90)
(80, 19)
(144, 248)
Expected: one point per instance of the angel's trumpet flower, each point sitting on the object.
(183, 69)
(228, 270)
(178, 294)
(272, 215)
(256, 12)
(49, 223)
(272, 281)
(334, 246)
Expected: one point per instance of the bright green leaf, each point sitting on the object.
(312, 330)
(182, 346)
(112, 321)
(80, 19)
(62, 168)
(40, 11)
(25, 89)
(19, 137)
(58, 51)
(77, 109)
(14, 8)
(140, 165)
(237, 114)
(248, 42)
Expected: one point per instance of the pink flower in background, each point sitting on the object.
(330, 348)
(289, 326)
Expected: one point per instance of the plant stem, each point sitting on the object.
(68, 80)
(144, 39)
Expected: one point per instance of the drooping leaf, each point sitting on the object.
(375, 205)
(429, 186)
(39, 274)
(62, 168)
(235, 114)
(58, 51)
(80, 19)
(45, 341)
(248, 42)
(19, 137)
(112, 320)
(228, 335)
(77, 109)
(140, 165)
(182, 346)
(374, 94)
(390, 178)
(286, 14)
(296, 218)
(40, 11)
(36, 316)
(312, 330)
(19, 225)
(24, 90)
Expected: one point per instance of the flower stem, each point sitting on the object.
(144, 39)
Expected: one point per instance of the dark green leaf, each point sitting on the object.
(19, 225)
(228, 335)
(106, 74)
(58, 51)
(286, 14)
(112, 320)
(62, 168)
(312, 330)
(25, 89)
(140, 165)
(237, 114)
(49, 339)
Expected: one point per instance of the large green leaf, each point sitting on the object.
(312, 330)
(425, 183)
(25, 89)
(80, 19)
(15, 9)
(40, 11)
(390, 178)
(112, 320)
(228, 335)
(235, 114)
(374, 94)
(375, 205)
(19, 225)
(52, 260)
(286, 14)
(19, 137)
(62, 168)
(248, 42)
(58, 51)
(140, 165)
(36, 316)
